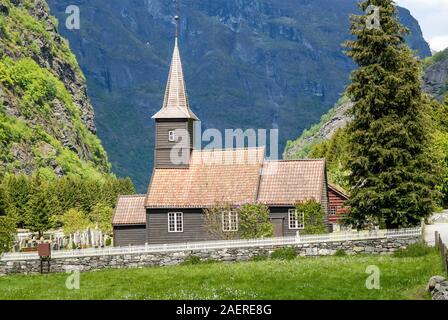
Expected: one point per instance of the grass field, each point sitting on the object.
(301, 278)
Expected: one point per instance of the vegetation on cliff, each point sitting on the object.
(51, 160)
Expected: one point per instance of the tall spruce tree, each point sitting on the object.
(42, 206)
(393, 172)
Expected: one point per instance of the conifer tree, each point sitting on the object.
(42, 206)
(393, 173)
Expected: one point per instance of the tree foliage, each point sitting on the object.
(7, 231)
(313, 217)
(41, 206)
(213, 222)
(393, 170)
(254, 221)
(101, 217)
(75, 220)
(38, 202)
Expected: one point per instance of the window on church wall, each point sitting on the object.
(175, 222)
(172, 136)
(230, 221)
(296, 220)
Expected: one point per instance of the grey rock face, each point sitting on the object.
(436, 78)
(66, 122)
(248, 64)
(338, 120)
(435, 82)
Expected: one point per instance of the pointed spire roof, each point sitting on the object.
(175, 104)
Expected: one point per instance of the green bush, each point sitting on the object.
(259, 257)
(191, 260)
(313, 216)
(414, 250)
(288, 253)
(340, 253)
(254, 221)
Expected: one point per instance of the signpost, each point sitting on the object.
(44, 251)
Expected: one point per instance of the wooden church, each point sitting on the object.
(185, 181)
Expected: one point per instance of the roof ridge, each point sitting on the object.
(131, 195)
(295, 160)
(229, 149)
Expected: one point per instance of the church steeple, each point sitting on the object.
(175, 104)
(175, 120)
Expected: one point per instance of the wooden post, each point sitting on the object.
(436, 239)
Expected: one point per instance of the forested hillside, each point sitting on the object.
(46, 118)
(328, 137)
(51, 161)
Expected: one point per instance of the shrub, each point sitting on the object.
(288, 253)
(313, 215)
(191, 260)
(259, 257)
(340, 253)
(418, 249)
(254, 221)
(213, 218)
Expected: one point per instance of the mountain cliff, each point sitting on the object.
(248, 64)
(46, 118)
(435, 82)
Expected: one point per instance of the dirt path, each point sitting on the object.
(442, 228)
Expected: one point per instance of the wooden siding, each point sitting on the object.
(129, 235)
(336, 200)
(193, 226)
(163, 158)
(163, 145)
(282, 214)
(324, 201)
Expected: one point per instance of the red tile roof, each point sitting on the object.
(130, 210)
(287, 182)
(213, 176)
(236, 176)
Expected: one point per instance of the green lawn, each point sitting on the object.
(301, 278)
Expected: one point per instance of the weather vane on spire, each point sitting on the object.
(177, 18)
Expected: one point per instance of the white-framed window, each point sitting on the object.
(332, 211)
(172, 136)
(175, 222)
(229, 221)
(296, 220)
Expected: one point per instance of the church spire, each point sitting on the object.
(175, 104)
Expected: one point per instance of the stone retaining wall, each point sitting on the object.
(376, 246)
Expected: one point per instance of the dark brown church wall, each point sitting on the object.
(129, 235)
(193, 226)
(162, 152)
(281, 214)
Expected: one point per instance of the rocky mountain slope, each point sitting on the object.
(435, 82)
(46, 118)
(248, 64)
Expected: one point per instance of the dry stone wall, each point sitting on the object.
(140, 260)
